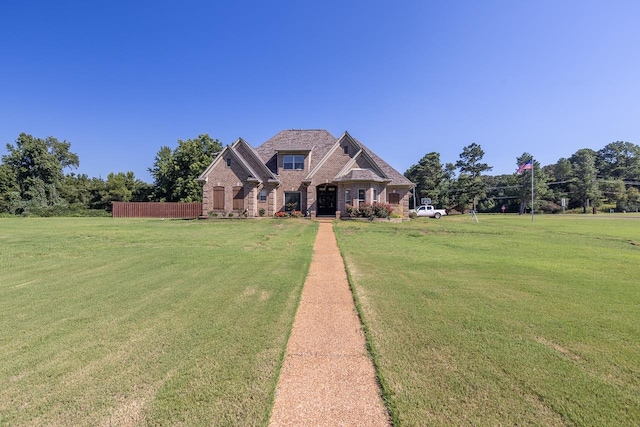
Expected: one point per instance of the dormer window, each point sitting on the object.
(229, 162)
(346, 149)
(293, 162)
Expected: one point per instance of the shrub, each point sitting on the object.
(291, 206)
(366, 211)
(297, 214)
(550, 207)
(213, 214)
(382, 210)
(371, 211)
(262, 212)
(280, 214)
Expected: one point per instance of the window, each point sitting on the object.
(361, 195)
(229, 162)
(347, 197)
(292, 201)
(218, 198)
(375, 195)
(292, 162)
(263, 195)
(238, 198)
(345, 149)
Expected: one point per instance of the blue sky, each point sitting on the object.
(120, 79)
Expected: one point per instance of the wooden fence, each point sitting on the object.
(156, 210)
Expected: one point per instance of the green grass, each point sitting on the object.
(130, 322)
(502, 322)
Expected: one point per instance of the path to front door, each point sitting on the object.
(327, 377)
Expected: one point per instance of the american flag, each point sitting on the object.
(525, 166)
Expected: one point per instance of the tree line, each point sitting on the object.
(607, 178)
(37, 178)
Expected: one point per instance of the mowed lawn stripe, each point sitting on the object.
(146, 321)
(504, 321)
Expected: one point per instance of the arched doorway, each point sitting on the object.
(327, 196)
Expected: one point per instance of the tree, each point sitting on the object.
(631, 200)
(613, 191)
(619, 160)
(123, 187)
(585, 188)
(174, 172)
(37, 165)
(470, 184)
(429, 176)
(540, 186)
(8, 188)
(504, 191)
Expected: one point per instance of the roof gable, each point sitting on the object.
(321, 145)
(316, 142)
(253, 176)
(354, 160)
(262, 167)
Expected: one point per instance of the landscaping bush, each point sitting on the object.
(369, 210)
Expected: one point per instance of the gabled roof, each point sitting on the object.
(359, 174)
(396, 177)
(253, 176)
(263, 168)
(351, 164)
(317, 141)
(320, 144)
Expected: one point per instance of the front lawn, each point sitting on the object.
(502, 322)
(126, 322)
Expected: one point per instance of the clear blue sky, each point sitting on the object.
(120, 79)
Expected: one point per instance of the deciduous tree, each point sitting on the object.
(37, 166)
(175, 171)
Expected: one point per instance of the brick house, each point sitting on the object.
(306, 170)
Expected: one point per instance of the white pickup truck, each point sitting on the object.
(430, 211)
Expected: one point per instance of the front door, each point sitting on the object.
(327, 197)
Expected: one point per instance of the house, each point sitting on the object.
(304, 170)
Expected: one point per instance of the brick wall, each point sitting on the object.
(228, 177)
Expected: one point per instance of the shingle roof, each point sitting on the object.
(396, 177)
(319, 142)
(357, 174)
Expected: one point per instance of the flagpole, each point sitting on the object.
(532, 189)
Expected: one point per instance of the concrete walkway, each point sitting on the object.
(327, 377)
